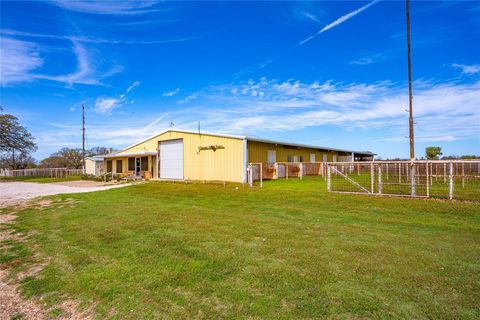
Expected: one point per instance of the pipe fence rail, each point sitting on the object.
(436, 179)
(257, 172)
(45, 172)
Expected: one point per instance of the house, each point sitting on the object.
(188, 155)
(94, 165)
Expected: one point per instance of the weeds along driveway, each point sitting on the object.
(12, 193)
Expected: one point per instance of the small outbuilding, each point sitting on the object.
(94, 165)
(188, 155)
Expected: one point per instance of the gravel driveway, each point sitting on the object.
(15, 192)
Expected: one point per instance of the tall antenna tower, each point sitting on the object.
(410, 95)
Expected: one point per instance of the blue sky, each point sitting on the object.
(325, 73)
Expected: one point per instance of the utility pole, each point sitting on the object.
(410, 96)
(83, 138)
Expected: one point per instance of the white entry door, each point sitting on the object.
(171, 159)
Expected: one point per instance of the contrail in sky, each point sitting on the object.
(340, 20)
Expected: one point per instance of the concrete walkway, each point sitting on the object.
(12, 193)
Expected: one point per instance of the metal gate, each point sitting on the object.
(439, 179)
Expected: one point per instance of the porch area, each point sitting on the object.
(135, 166)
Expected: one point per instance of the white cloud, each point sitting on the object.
(106, 105)
(467, 69)
(118, 7)
(442, 111)
(133, 85)
(17, 60)
(95, 40)
(86, 73)
(171, 93)
(373, 58)
(187, 99)
(340, 20)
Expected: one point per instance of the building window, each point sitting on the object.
(109, 166)
(301, 158)
(131, 164)
(272, 156)
(289, 158)
(144, 164)
(119, 166)
(312, 157)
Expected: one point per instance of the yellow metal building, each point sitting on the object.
(187, 155)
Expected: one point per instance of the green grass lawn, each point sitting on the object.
(40, 179)
(289, 250)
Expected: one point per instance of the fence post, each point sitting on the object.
(372, 178)
(450, 189)
(463, 176)
(444, 172)
(329, 180)
(380, 178)
(250, 175)
(428, 173)
(261, 175)
(301, 171)
(286, 170)
(412, 178)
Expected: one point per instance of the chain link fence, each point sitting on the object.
(437, 179)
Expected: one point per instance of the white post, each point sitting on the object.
(428, 179)
(250, 174)
(412, 178)
(286, 170)
(463, 176)
(380, 178)
(301, 170)
(261, 175)
(329, 179)
(372, 178)
(450, 189)
(445, 172)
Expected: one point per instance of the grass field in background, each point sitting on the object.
(40, 179)
(289, 250)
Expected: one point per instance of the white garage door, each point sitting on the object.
(171, 159)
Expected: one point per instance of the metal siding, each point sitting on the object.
(171, 155)
(220, 165)
(258, 152)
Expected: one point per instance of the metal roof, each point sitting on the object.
(309, 146)
(292, 144)
(135, 154)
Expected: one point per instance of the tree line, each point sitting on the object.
(17, 145)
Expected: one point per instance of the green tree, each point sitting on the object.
(15, 139)
(53, 162)
(98, 151)
(72, 158)
(433, 153)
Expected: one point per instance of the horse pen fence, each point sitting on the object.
(257, 172)
(437, 179)
(41, 172)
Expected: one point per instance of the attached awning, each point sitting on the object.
(127, 155)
